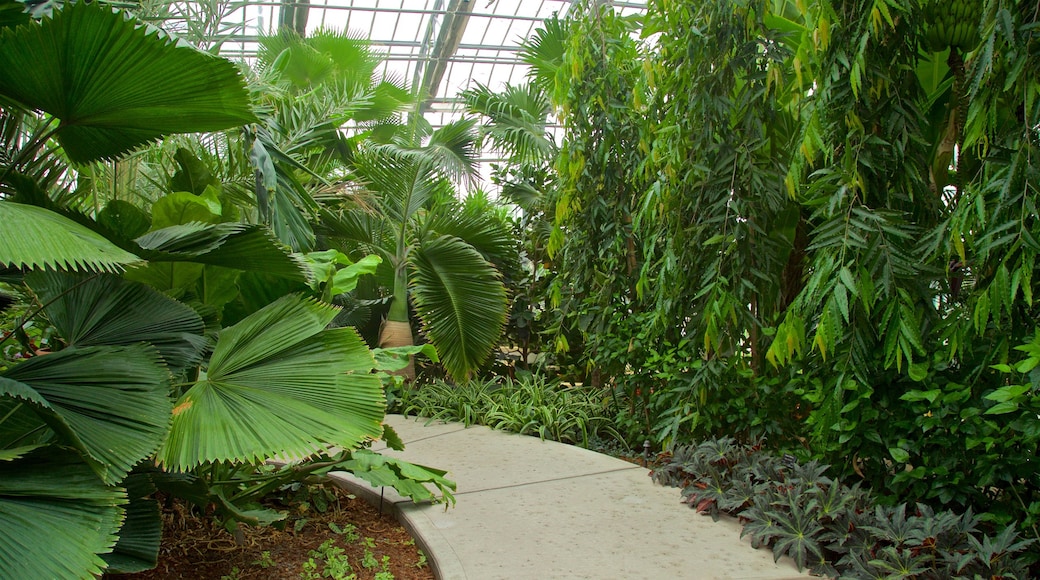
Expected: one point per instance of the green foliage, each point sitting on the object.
(529, 405)
(133, 378)
(796, 220)
(438, 254)
(104, 113)
(833, 529)
(51, 237)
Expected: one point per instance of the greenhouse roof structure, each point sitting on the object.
(437, 47)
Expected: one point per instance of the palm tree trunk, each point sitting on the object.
(396, 330)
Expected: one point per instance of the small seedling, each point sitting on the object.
(265, 561)
(369, 560)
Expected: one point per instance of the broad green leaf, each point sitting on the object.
(110, 402)
(407, 478)
(338, 280)
(170, 278)
(899, 455)
(125, 218)
(56, 518)
(1008, 393)
(38, 238)
(231, 245)
(193, 176)
(396, 358)
(1002, 408)
(179, 208)
(114, 84)
(107, 310)
(929, 396)
(278, 384)
(219, 286)
(392, 439)
(918, 371)
(460, 300)
(1027, 364)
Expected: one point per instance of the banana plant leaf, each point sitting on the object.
(114, 84)
(38, 238)
(56, 518)
(460, 300)
(231, 245)
(107, 310)
(111, 403)
(278, 384)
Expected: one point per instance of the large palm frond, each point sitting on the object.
(230, 245)
(38, 238)
(115, 85)
(483, 225)
(110, 403)
(56, 518)
(299, 388)
(107, 310)
(544, 52)
(452, 150)
(516, 121)
(461, 301)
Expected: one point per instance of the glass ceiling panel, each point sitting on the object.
(472, 41)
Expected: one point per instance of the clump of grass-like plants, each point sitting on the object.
(529, 404)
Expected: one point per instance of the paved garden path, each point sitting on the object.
(532, 509)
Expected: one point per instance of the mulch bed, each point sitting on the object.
(195, 547)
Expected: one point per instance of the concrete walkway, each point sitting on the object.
(532, 509)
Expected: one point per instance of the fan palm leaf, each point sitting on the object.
(544, 53)
(96, 71)
(107, 310)
(516, 123)
(110, 403)
(56, 517)
(481, 224)
(230, 245)
(38, 238)
(297, 386)
(461, 301)
(141, 534)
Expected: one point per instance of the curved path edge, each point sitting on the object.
(533, 509)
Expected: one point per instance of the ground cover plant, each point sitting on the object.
(836, 530)
(529, 404)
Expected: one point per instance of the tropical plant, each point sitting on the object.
(833, 529)
(529, 405)
(124, 382)
(515, 125)
(831, 232)
(439, 254)
(311, 88)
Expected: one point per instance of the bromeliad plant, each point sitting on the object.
(140, 391)
(836, 530)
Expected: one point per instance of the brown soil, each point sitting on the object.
(196, 548)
